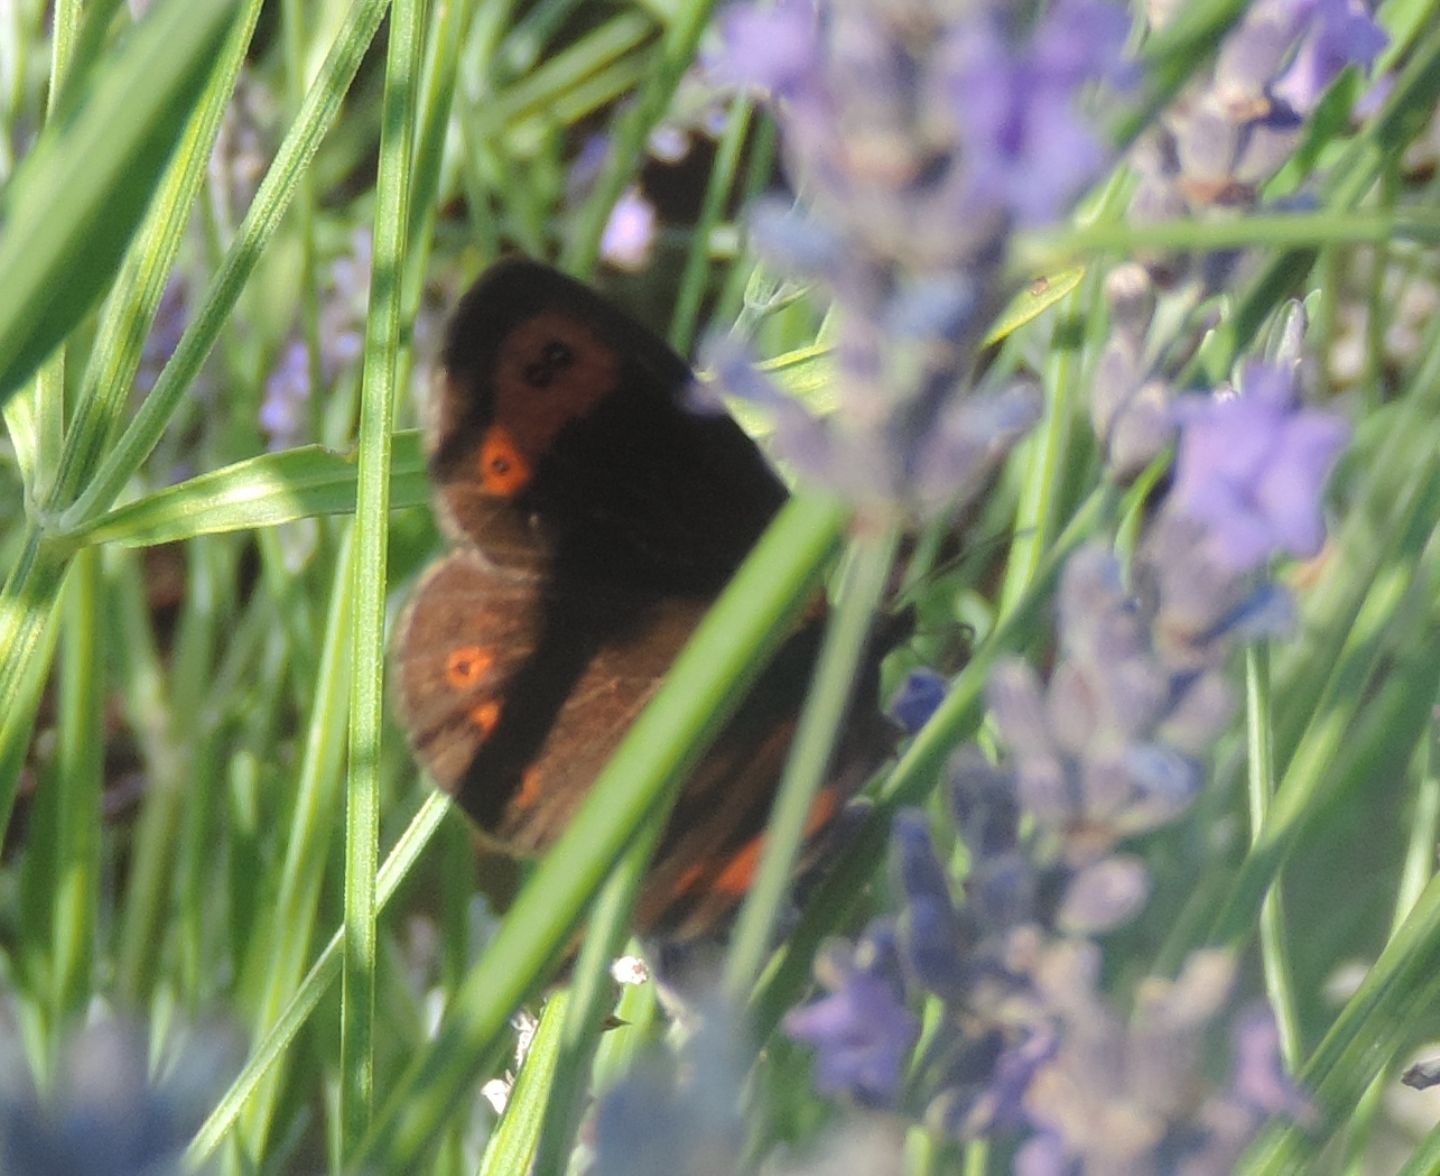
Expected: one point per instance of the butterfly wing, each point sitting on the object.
(562, 438)
(598, 516)
(515, 693)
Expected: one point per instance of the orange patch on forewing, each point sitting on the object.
(466, 666)
(738, 873)
(485, 715)
(504, 470)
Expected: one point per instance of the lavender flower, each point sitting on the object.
(1233, 128)
(919, 696)
(862, 1028)
(287, 395)
(1251, 466)
(1107, 748)
(629, 233)
(165, 333)
(1130, 404)
(677, 1115)
(1337, 34)
(1129, 1095)
(920, 136)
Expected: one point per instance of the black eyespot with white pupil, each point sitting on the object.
(554, 357)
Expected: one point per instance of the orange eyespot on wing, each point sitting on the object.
(503, 469)
(467, 665)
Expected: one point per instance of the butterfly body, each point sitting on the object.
(596, 516)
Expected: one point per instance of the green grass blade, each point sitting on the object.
(28, 601)
(513, 1146)
(323, 972)
(77, 779)
(372, 514)
(276, 966)
(322, 105)
(259, 492)
(820, 726)
(131, 308)
(75, 203)
(591, 997)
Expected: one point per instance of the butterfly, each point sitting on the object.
(595, 515)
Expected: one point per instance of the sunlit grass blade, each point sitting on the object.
(277, 962)
(513, 1146)
(130, 311)
(381, 372)
(324, 972)
(259, 492)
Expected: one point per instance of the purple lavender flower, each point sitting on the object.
(165, 333)
(1339, 33)
(1128, 1094)
(921, 135)
(1232, 129)
(284, 412)
(629, 233)
(1097, 753)
(287, 393)
(1130, 403)
(862, 1031)
(1251, 467)
(775, 48)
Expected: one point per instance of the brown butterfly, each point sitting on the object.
(595, 518)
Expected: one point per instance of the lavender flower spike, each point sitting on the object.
(862, 1032)
(1251, 468)
(921, 135)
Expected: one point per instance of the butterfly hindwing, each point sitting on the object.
(515, 693)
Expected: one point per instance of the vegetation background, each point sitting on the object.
(231, 233)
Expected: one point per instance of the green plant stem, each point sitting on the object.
(372, 511)
(1275, 958)
(78, 781)
(677, 51)
(323, 972)
(718, 187)
(820, 724)
(592, 993)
